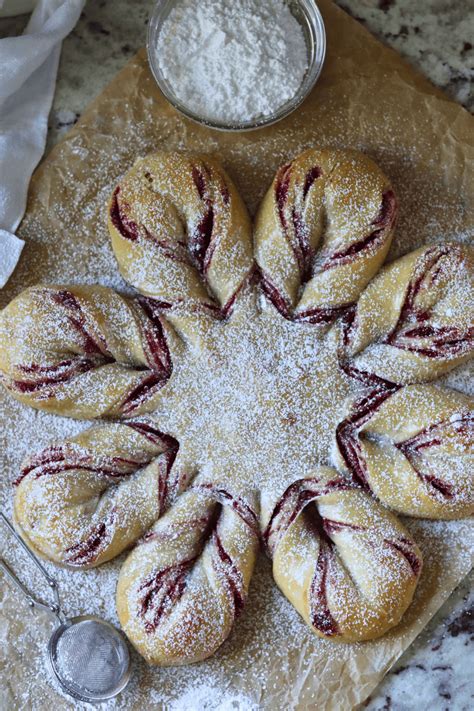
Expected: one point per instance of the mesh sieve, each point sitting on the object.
(87, 655)
(89, 658)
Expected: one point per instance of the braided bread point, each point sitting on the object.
(83, 501)
(344, 562)
(322, 231)
(415, 321)
(85, 351)
(181, 589)
(413, 448)
(181, 232)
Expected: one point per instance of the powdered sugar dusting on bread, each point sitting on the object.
(226, 405)
(269, 630)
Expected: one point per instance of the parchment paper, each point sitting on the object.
(367, 97)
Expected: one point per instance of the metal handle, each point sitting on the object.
(33, 600)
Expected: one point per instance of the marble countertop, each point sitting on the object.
(436, 37)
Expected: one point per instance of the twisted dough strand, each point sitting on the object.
(415, 321)
(181, 233)
(85, 351)
(414, 448)
(180, 591)
(82, 502)
(322, 231)
(345, 563)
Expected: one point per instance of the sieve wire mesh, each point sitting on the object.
(90, 658)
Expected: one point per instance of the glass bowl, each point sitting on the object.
(309, 17)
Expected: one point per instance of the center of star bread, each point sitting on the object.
(258, 403)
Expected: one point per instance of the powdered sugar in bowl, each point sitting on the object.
(236, 65)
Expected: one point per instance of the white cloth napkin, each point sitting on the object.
(28, 68)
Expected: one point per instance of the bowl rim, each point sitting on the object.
(316, 50)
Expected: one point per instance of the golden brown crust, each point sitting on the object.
(415, 320)
(345, 563)
(181, 232)
(322, 231)
(85, 351)
(83, 501)
(412, 448)
(181, 589)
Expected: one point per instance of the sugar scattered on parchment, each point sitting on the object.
(269, 631)
(259, 363)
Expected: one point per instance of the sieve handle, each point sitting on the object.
(33, 601)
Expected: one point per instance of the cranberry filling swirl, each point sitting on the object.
(414, 322)
(83, 501)
(412, 447)
(181, 233)
(85, 351)
(180, 591)
(344, 562)
(322, 231)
